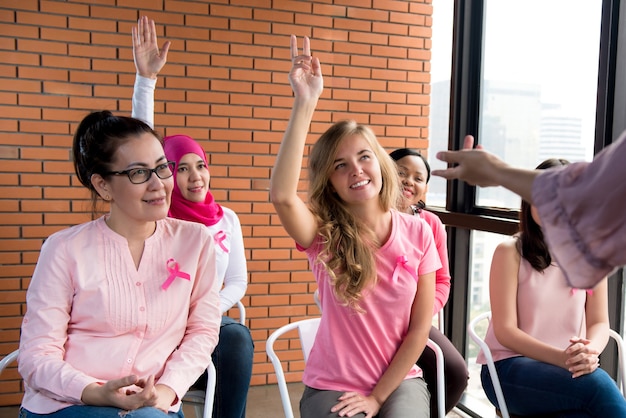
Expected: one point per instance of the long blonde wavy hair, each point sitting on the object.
(348, 245)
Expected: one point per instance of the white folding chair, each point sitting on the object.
(495, 381)
(8, 359)
(307, 329)
(202, 401)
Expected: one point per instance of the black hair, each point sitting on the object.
(403, 152)
(399, 154)
(96, 140)
(531, 243)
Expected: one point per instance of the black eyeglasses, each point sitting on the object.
(142, 175)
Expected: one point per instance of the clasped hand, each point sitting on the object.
(581, 359)
(352, 403)
(129, 393)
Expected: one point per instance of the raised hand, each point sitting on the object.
(305, 76)
(148, 58)
(475, 166)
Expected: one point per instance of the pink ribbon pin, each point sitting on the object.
(401, 262)
(174, 270)
(574, 290)
(219, 240)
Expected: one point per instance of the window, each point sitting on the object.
(539, 84)
(550, 86)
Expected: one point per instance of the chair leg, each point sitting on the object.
(199, 410)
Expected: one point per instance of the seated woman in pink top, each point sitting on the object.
(414, 172)
(123, 311)
(374, 266)
(545, 336)
(587, 234)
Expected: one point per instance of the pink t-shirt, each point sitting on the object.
(92, 316)
(352, 350)
(547, 309)
(442, 276)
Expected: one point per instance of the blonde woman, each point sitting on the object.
(374, 266)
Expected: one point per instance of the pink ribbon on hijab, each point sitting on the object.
(207, 212)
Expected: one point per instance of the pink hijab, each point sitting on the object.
(207, 212)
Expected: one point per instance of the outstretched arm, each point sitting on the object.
(307, 83)
(149, 60)
(481, 168)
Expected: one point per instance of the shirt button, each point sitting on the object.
(142, 309)
(138, 283)
(130, 360)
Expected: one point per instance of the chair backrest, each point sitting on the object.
(242, 313)
(471, 329)
(202, 401)
(307, 329)
(621, 360)
(441, 400)
(8, 359)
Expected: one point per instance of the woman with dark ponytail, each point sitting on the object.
(123, 310)
(545, 336)
(414, 173)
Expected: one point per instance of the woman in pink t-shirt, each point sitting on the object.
(374, 266)
(414, 172)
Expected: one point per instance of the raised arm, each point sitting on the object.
(149, 60)
(307, 83)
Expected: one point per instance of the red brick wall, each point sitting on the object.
(226, 85)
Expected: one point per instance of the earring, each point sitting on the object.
(107, 198)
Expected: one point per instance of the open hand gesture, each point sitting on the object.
(305, 76)
(148, 58)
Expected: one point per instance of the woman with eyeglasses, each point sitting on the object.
(123, 311)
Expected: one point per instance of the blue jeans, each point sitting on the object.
(233, 359)
(531, 387)
(80, 411)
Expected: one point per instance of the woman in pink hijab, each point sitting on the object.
(192, 201)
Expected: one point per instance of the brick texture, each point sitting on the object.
(226, 85)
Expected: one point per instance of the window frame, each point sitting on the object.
(461, 214)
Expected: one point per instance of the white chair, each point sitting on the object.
(202, 401)
(503, 410)
(307, 329)
(8, 359)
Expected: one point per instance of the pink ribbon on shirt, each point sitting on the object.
(219, 240)
(174, 270)
(574, 290)
(401, 262)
